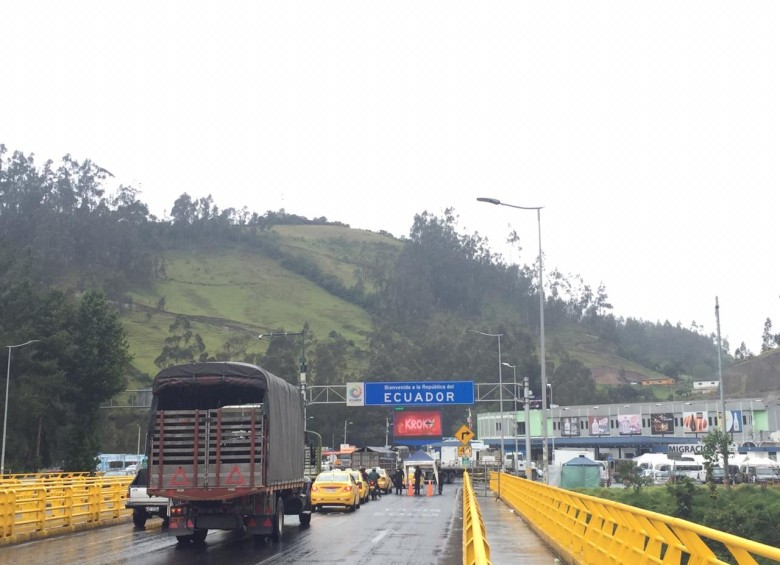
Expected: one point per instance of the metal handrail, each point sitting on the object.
(588, 529)
(476, 550)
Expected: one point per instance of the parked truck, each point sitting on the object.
(370, 457)
(227, 448)
(452, 465)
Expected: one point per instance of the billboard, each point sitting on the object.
(598, 425)
(570, 426)
(418, 393)
(417, 424)
(696, 422)
(734, 421)
(662, 423)
(629, 424)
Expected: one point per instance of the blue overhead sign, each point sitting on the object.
(427, 393)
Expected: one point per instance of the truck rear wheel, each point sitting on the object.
(199, 536)
(305, 518)
(278, 522)
(139, 517)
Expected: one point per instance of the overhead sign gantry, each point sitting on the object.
(424, 393)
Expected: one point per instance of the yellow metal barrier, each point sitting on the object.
(47, 504)
(476, 550)
(587, 529)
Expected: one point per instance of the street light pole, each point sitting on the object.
(541, 323)
(345, 430)
(500, 391)
(5, 413)
(514, 416)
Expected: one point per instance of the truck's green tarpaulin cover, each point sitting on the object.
(217, 384)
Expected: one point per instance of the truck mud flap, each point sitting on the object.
(181, 526)
(260, 524)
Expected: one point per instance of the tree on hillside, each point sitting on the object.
(574, 383)
(95, 372)
(768, 339)
(182, 346)
(330, 363)
(742, 352)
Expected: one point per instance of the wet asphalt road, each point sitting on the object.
(393, 530)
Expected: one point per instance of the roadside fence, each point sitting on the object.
(587, 529)
(476, 550)
(34, 505)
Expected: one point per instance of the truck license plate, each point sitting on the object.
(152, 508)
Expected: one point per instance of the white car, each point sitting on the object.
(143, 505)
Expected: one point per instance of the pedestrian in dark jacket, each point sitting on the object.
(398, 480)
(417, 478)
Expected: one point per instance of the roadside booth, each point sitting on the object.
(580, 472)
(428, 466)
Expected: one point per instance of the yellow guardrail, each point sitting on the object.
(587, 529)
(476, 550)
(49, 503)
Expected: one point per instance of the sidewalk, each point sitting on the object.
(511, 540)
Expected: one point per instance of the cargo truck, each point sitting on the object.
(226, 446)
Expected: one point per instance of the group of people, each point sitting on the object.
(398, 477)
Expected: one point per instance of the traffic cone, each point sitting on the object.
(411, 488)
(430, 488)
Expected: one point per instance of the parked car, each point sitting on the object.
(362, 485)
(766, 475)
(385, 484)
(335, 488)
(660, 477)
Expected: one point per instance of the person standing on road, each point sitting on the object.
(439, 477)
(417, 479)
(398, 480)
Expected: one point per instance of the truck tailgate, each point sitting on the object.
(220, 451)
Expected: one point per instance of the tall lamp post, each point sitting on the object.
(345, 430)
(5, 413)
(541, 323)
(514, 418)
(500, 391)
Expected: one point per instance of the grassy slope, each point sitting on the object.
(243, 292)
(228, 292)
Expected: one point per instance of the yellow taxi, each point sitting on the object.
(362, 485)
(385, 484)
(335, 488)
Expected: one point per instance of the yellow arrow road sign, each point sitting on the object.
(464, 435)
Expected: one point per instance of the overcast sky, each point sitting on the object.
(649, 131)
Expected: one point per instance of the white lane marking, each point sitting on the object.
(379, 537)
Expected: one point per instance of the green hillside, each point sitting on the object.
(242, 292)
